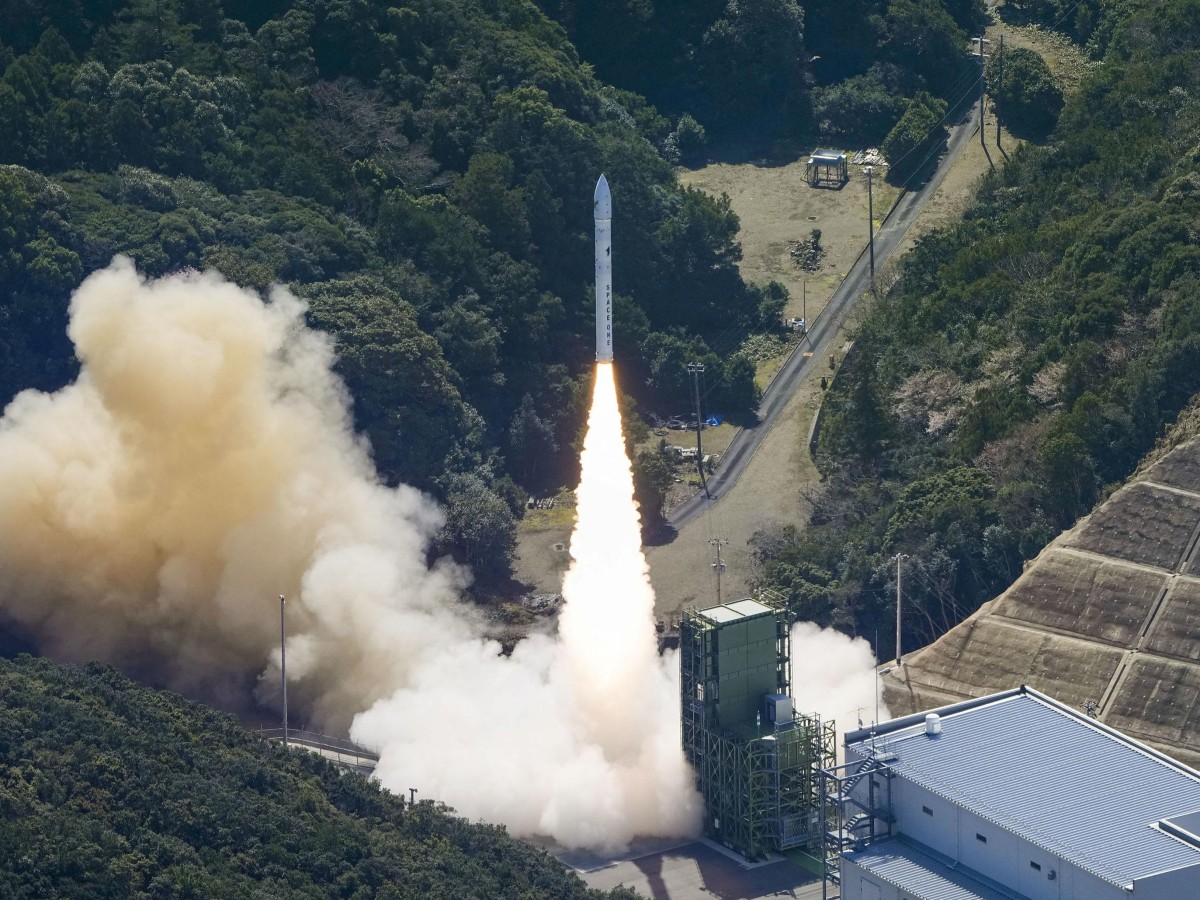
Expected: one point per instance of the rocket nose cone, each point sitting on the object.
(602, 200)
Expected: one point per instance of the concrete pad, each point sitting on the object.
(698, 871)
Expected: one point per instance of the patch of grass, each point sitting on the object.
(561, 515)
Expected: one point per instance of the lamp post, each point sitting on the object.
(900, 557)
(870, 170)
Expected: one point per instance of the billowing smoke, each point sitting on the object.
(834, 675)
(204, 462)
(576, 737)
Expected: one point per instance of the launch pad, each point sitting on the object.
(757, 760)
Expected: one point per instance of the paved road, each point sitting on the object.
(823, 330)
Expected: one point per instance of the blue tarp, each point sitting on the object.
(714, 420)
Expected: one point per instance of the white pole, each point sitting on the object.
(283, 663)
(899, 655)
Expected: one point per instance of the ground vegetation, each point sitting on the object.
(778, 68)
(1023, 361)
(109, 789)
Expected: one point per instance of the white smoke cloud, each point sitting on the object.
(833, 675)
(575, 737)
(204, 462)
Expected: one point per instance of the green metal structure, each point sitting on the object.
(757, 761)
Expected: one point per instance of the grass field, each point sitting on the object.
(776, 205)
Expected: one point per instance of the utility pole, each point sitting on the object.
(412, 796)
(870, 170)
(804, 305)
(695, 370)
(1000, 84)
(982, 91)
(900, 557)
(718, 566)
(283, 662)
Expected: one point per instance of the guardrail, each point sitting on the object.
(339, 750)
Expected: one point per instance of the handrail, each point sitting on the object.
(317, 741)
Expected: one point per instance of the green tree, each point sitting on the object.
(687, 143)
(923, 37)
(918, 136)
(531, 443)
(480, 527)
(405, 399)
(653, 475)
(751, 56)
(1027, 99)
(861, 107)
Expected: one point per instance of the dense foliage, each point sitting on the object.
(917, 138)
(781, 67)
(1024, 361)
(421, 173)
(1026, 98)
(108, 789)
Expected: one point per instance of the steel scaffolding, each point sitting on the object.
(760, 779)
(856, 803)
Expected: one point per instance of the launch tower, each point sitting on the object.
(757, 760)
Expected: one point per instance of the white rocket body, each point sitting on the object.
(602, 204)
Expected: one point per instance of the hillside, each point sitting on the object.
(108, 789)
(1106, 618)
(777, 68)
(1022, 360)
(422, 174)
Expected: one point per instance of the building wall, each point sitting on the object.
(1004, 857)
(1181, 884)
(858, 885)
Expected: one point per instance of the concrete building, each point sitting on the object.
(1010, 797)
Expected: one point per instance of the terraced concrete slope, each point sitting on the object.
(1107, 619)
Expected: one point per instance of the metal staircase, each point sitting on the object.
(856, 800)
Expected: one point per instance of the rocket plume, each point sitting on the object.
(204, 462)
(578, 737)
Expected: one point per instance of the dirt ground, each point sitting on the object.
(776, 205)
(769, 492)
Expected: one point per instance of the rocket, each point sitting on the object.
(602, 205)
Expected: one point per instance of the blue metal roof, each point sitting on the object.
(903, 865)
(1072, 786)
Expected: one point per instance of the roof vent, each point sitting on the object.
(933, 724)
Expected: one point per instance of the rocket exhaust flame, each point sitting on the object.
(584, 730)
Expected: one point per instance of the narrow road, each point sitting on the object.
(823, 331)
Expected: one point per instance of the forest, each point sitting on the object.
(1023, 360)
(421, 175)
(112, 790)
